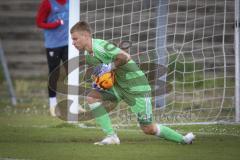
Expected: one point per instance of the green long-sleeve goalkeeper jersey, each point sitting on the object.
(128, 77)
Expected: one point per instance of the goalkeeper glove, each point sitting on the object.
(95, 86)
(103, 68)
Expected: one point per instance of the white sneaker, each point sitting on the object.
(188, 138)
(52, 105)
(52, 111)
(111, 139)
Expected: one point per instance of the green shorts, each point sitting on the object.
(140, 104)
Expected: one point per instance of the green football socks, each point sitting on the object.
(169, 134)
(102, 118)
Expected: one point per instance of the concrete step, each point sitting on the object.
(31, 34)
(180, 38)
(17, 21)
(16, 13)
(19, 5)
(26, 47)
(28, 70)
(201, 6)
(206, 30)
(33, 59)
(20, 29)
(201, 19)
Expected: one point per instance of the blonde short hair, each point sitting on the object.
(81, 26)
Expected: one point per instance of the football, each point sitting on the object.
(106, 80)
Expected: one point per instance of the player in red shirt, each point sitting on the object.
(52, 17)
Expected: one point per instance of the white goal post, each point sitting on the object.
(73, 77)
(192, 43)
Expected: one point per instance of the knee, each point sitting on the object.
(149, 129)
(93, 97)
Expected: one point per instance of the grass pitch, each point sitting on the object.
(41, 137)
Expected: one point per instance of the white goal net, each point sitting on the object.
(188, 46)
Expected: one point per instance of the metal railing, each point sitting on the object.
(7, 76)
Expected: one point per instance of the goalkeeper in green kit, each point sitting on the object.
(131, 86)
